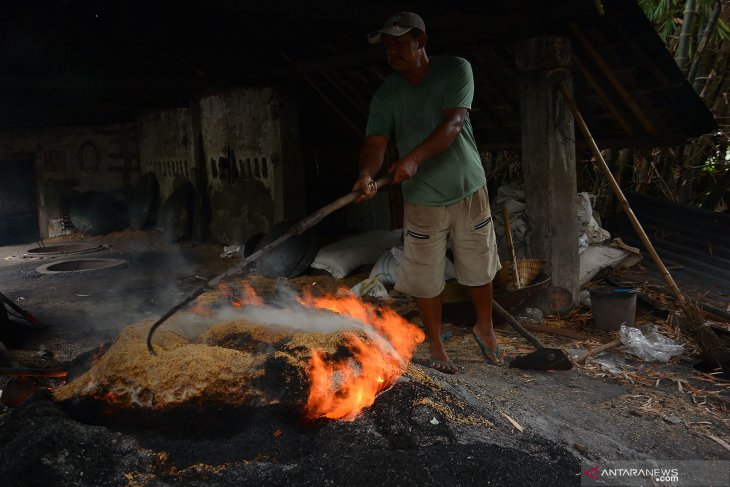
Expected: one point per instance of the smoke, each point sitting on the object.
(284, 311)
(304, 319)
(155, 278)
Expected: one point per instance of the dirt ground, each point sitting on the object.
(484, 425)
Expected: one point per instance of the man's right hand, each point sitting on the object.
(403, 169)
(367, 185)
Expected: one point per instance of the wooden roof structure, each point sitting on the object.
(67, 62)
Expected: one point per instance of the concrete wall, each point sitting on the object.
(71, 160)
(166, 148)
(240, 149)
(253, 165)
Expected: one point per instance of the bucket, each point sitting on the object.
(613, 307)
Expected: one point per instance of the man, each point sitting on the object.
(426, 103)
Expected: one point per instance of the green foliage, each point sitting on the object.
(666, 15)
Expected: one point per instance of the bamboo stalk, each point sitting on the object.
(511, 247)
(601, 163)
(694, 322)
(598, 349)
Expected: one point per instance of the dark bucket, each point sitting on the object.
(613, 307)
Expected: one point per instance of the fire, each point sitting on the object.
(380, 347)
(342, 389)
(248, 295)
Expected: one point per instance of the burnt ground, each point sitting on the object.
(485, 425)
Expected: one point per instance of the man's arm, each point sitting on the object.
(452, 121)
(372, 155)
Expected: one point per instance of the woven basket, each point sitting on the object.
(528, 270)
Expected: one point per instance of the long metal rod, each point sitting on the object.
(27, 316)
(300, 227)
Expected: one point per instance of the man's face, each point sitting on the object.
(401, 51)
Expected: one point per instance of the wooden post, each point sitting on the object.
(548, 157)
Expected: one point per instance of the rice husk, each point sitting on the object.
(235, 363)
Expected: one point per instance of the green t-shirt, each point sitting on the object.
(413, 111)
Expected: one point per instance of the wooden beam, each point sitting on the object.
(617, 84)
(342, 88)
(548, 158)
(636, 48)
(604, 97)
(357, 130)
(338, 62)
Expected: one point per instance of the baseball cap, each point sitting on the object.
(397, 25)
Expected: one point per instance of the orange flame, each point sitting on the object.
(341, 389)
(250, 296)
(199, 309)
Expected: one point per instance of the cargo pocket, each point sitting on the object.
(486, 222)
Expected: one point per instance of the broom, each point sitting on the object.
(694, 319)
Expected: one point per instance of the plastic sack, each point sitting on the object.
(342, 257)
(582, 243)
(533, 315)
(584, 212)
(610, 362)
(596, 235)
(649, 345)
(386, 267)
(370, 287)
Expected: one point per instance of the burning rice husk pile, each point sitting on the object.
(328, 356)
(226, 365)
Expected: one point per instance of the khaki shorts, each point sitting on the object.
(468, 224)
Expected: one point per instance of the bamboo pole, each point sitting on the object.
(601, 163)
(511, 247)
(694, 318)
(598, 349)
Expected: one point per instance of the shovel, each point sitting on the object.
(543, 358)
(300, 227)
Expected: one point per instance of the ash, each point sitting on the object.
(415, 434)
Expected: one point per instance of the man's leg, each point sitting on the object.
(481, 297)
(430, 311)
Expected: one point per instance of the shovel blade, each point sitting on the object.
(543, 359)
